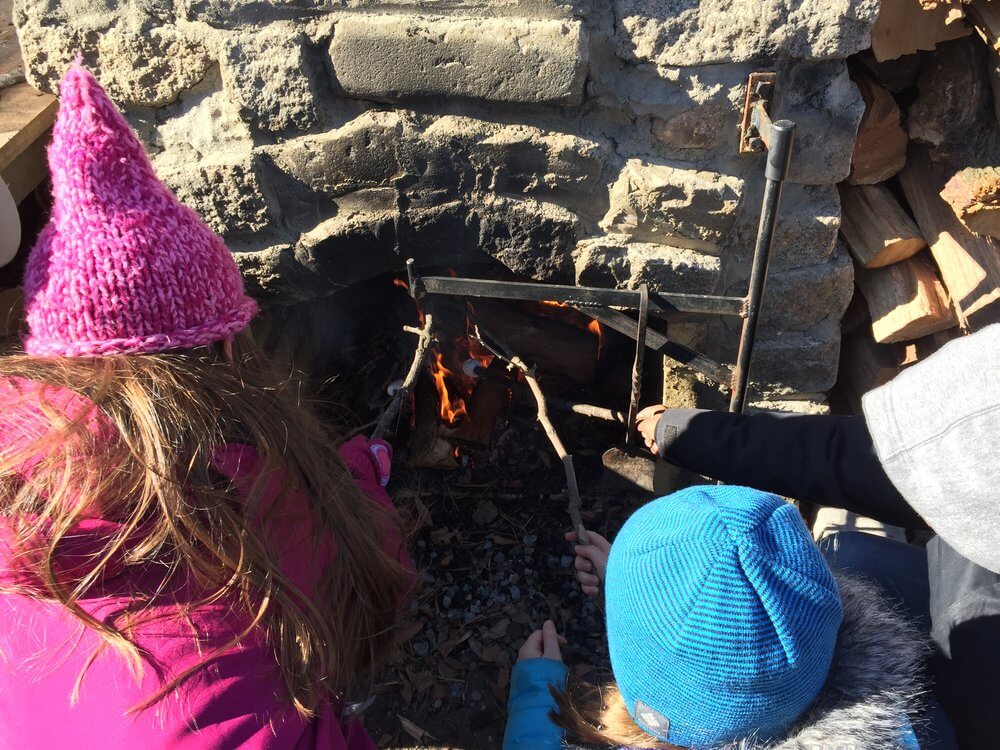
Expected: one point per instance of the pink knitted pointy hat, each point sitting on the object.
(122, 266)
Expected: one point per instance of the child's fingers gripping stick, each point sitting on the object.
(542, 644)
(591, 562)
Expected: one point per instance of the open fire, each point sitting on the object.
(463, 370)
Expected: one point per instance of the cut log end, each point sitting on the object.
(906, 300)
(876, 228)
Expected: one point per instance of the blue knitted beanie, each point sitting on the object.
(722, 616)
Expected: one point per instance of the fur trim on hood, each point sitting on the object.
(874, 685)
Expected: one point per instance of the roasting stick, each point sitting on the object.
(424, 342)
(572, 488)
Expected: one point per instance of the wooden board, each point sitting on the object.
(877, 230)
(906, 26)
(969, 264)
(25, 116)
(880, 146)
(906, 300)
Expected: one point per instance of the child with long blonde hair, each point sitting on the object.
(186, 560)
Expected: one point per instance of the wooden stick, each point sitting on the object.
(426, 338)
(573, 490)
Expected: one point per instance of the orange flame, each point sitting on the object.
(401, 284)
(451, 408)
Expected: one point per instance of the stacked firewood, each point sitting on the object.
(921, 207)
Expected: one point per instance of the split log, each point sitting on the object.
(906, 26)
(969, 263)
(880, 146)
(877, 229)
(974, 195)
(953, 113)
(864, 365)
(906, 300)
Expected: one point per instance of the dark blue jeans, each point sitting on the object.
(901, 571)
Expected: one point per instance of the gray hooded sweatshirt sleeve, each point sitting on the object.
(936, 429)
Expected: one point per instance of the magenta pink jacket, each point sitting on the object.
(234, 701)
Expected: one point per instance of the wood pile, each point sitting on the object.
(921, 206)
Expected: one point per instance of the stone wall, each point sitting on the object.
(584, 141)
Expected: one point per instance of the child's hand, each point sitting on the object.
(591, 562)
(542, 644)
(646, 421)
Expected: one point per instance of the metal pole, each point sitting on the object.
(778, 157)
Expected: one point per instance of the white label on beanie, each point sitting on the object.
(652, 720)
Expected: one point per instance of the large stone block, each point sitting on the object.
(138, 60)
(392, 57)
(615, 261)
(797, 361)
(700, 32)
(267, 75)
(362, 154)
(447, 156)
(806, 229)
(673, 205)
(689, 108)
(799, 298)
(487, 156)
(528, 236)
(827, 108)
(227, 195)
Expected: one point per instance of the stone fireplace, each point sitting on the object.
(574, 142)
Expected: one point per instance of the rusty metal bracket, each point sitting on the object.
(755, 128)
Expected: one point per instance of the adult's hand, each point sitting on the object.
(646, 420)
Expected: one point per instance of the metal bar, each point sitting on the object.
(578, 296)
(657, 342)
(637, 363)
(778, 158)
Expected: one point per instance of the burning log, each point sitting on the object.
(556, 345)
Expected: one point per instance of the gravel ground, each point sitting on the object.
(494, 565)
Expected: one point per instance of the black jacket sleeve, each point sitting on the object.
(820, 459)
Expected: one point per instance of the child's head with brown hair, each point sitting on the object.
(722, 619)
(597, 715)
(133, 307)
(154, 469)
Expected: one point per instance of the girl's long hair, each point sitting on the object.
(597, 715)
(188, 524)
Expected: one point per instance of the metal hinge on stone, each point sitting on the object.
(756, 123)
